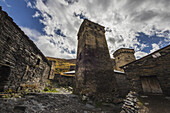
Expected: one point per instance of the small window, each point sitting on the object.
(80, 56)
(38, 62)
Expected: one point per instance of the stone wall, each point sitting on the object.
(52, 69)
(66, 80)
(122, 84)
(21, 63)
(156, 65)
(94, 70)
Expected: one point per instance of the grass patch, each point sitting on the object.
(50, 90)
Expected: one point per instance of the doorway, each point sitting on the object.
(4, 74)
(150, 84)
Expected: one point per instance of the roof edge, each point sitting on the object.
(145, 56)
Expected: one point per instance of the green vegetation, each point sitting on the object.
(9, 93)
(50, 90)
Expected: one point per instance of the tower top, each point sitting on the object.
(123, 50)
(91, 25)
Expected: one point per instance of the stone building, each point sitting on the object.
(150, 74)
(63, 71)
(52, 69)
(62, 65)
(123, 56)
(94, 69)
(22, 64)
(66, 78)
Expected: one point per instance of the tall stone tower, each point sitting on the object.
(94, 70)
(123, 56)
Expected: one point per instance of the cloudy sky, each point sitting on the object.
(143, 25)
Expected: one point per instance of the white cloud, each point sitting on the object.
(29, 5)
(154, 47)
(37, 14)
(4, 1)
(33, 34)
(140, 54)
(123, 17)
(46, 45)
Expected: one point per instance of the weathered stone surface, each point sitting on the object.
(122, 57)
(52, 69)
(21, 62)
(94, 71)
(66, 80)
(154, 68)
(53, 103)
(133, 105)
(122, 84)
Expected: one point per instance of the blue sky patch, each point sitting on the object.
(81, 16)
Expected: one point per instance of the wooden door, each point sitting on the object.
(150, 84)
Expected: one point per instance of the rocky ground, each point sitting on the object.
(156, 103)
(61, 102)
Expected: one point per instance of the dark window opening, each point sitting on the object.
(33, 75)
(72, 68)
(38, 62)
(8, 39)
(7, 63)
(80, 56)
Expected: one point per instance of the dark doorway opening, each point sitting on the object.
(150, 84)
(4, 74)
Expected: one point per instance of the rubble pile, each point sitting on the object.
(133, 105)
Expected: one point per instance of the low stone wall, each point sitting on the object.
(64, 80)
(21, 63)
(122, 84)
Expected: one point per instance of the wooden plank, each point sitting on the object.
(150, 84)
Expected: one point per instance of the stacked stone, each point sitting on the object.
(22, 64)
(130, 103)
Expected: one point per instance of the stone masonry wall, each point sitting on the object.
(156, 64)
(94, 70)
(21, 63)
(122, 84)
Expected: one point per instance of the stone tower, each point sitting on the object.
(94, 73)
(122, 57)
